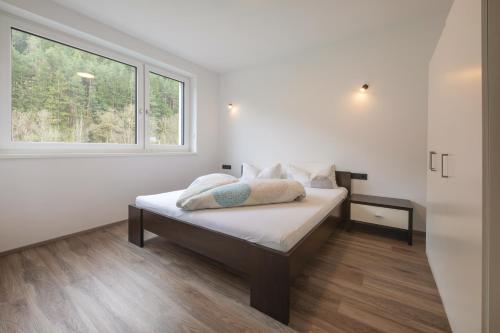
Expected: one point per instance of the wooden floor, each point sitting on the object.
(98, 282)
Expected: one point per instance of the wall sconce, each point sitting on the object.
(364, 87)
(230, 106)
(85, 75)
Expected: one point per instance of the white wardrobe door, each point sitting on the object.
(454, 222)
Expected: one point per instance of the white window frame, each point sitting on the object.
(184, 119)
(8, 147)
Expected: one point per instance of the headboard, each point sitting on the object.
(343, 179)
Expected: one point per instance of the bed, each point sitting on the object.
(269, 243)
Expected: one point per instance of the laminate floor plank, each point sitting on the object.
(50, 297)
(194, 296)
(142, 296)
(98, 282)
(17, 313)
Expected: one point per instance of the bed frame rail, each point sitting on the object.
(270, 272)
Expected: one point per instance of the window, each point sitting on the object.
(63, 94)
(166, 108)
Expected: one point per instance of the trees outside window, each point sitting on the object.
(63, 94)
(165, 108)
(66, 95)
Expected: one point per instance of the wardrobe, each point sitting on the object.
(454, 170)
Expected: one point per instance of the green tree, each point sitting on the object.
(51, 103)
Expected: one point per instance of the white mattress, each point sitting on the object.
(277, 226)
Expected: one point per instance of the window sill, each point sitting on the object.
(17, 155)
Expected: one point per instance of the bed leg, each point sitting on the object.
(135, 226)
(346, 215)
(270, 285)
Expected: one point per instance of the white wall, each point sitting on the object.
(46, 198)
(308, 108)
(454, 222)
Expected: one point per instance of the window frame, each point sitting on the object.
(184, 119)
(8, 147)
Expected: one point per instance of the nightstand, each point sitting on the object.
(386, 212)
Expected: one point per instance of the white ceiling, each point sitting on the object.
(224, 35)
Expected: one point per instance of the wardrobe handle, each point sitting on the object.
(431, 167)
(442, 166)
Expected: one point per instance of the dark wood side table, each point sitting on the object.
(387, 212)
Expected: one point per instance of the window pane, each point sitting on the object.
(63, 94)
(165, 110)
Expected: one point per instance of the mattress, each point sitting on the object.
(277, 226)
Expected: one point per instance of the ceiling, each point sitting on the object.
(225, 35)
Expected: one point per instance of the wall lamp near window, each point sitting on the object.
(85, 75)
(364, 87)
(230, 106)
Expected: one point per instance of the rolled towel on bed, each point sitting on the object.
(242, 193)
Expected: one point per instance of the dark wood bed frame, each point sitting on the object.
(270, 272)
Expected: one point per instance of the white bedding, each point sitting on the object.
(277, 226)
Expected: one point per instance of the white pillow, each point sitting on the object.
(313, 175)
(252, 172)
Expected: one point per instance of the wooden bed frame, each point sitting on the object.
(270, 272)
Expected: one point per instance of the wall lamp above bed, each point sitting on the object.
(364, 87)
